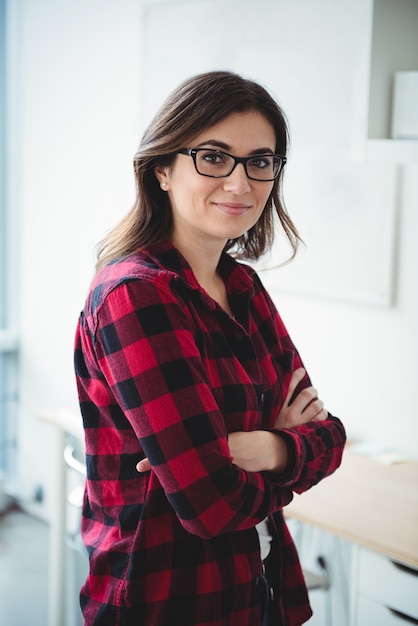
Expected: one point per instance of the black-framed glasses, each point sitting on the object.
(218, 164)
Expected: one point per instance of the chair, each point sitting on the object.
(318, 578)
(321, 582)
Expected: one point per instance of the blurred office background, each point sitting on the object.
(80, 80)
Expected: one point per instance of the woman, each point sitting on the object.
(185, 369)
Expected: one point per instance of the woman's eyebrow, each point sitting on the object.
(216, 143)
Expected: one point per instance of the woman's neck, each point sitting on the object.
(203, 257)
(204, 261)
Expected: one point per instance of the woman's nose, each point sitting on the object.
(237, 181)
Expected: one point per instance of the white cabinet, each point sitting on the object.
(372, 613)
(385, 593)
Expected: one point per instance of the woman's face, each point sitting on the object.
(214, 210)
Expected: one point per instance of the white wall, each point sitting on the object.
(78, 95)
(77, 121)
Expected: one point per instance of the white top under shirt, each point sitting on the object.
(265, 538)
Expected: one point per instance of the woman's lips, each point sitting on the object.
(232, 208)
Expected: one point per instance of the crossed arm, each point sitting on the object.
(265, 450)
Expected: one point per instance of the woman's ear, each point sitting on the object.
(161, 173)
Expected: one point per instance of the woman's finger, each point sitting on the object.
(297, 376)
(143, 466)
(315, 408)
(322, 415)
(304, 399)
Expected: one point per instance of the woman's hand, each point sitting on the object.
(258, 451)
(261, 450)
(306, 407)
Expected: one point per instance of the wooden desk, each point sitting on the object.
(369, 503)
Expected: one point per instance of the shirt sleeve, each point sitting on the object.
(145, 347)
(316, 449)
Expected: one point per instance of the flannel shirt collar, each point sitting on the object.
(238, 277)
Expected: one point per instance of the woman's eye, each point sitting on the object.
(260, 162)
(212, 158)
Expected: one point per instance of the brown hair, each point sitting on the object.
(194, 106)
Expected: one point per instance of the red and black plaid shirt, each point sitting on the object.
(164, 372)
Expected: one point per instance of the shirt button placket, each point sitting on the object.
(261, 401)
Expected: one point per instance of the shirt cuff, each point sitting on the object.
(296, 462)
